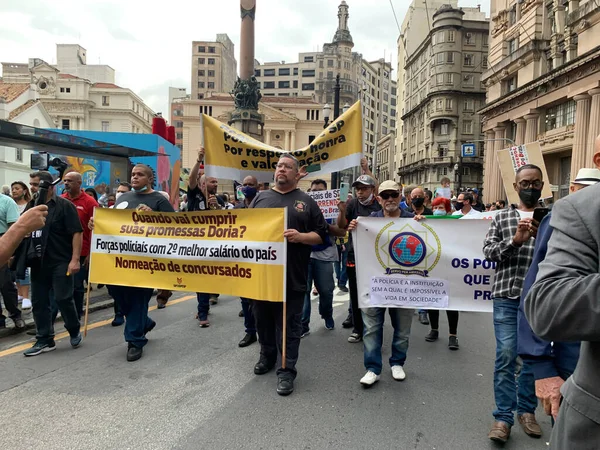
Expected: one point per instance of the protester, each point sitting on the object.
(21, 196)
(363, 205)
(428, 197)
(444, 190)
(249, 189)
(30, 221)
(320, 270)
(340, 265)
(500, 204)
(562, 306)
(477, 204)
(306, 227)
(464, 205)
(389, 195)
(54, 269)
(406, 203)
(417, 201)
(85, 206)
(92, 193)
(509, 243)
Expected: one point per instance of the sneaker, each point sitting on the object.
(134, 353)
(343, 288)
(329, 323)
(369, 379)
(40, 347)
(118, 321)
(453, 343)
(432, 336)
(76, 340)
(285, 386)
(354, 338)
(398, 373)
(304, 334)
(348, 323)
(423, 318)
(204, 323)
(26, 304)
(213, 300)
(19, 324)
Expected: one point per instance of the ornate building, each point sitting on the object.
(543, 84)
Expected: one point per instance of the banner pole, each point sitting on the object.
(284, 337)
(87, 308)
(284, 334)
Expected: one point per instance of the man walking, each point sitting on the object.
(510, 243)
(54, 270)
(306, 227)
(389, 196)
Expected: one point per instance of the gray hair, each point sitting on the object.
(292, 157)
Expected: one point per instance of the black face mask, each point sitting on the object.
(459, 206)
(530, 197)
(418, 202)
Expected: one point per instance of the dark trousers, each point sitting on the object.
(111, 291)
(434, 319)
(45, 279)
(133, 304)
(203, 305)
(249, 321)
(10, 295)
(353, 288)
(269, 324)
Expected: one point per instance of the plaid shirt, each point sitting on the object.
(512, 262)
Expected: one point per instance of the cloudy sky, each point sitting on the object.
(150, 46)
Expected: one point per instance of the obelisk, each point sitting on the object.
(246, 92)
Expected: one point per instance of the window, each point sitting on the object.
(201, 60)
(512, 15)
(211, 61)
(439, 78)
(450, 57)
(295, 71)
(211, 49)
(384, 130)
(200, 96)
(484, 62)
(211, 73)
(443, 151)
(450, 35)
(269, 72)
(330, 62)
(178, 124)
(440, 58)
(201, 73)
(551, 18)
(257, 72)
(309, 59)
(67, 90)
(105, 102)
(449, 78)
(105, 125)
(295, 84)
(329, 75)
(308, 86)
(440, 37)
(66, 124)
(510, 84)
(200, 84)
(211, 85)
(469, 39)
(442, 172)
(439, 103)
(284, 72)
(467, 126)
(178, 136)
(485, 39)
(448, 104)
(308, 73)
(469, 105)
(469, 59)
(513, 45)
(201, 49)
(560, 115)
(393, 123)
(284, 84)
(466, 171)
(178, 112)
(444, 129)
(19, 155)
(269, 85)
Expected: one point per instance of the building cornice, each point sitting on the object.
(445, 92)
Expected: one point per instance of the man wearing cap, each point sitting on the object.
(389, 194)
(363, 205)
(477, 203)
(551, 362)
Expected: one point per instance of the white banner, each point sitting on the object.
(327, 201)
(431, 264)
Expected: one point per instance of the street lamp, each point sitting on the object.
(345, 108)
(326, 114)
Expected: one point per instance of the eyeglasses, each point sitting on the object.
(526, 184)
(388, 195)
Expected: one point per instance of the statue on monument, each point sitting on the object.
(246, 93)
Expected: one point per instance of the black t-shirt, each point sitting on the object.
(355, 209)
(62, 223)
(478, 207)
(154, 200)
(197, 202)
(305, 216)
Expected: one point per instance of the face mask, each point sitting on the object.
(145, 188)
(530, 197)
(439, 212)
(249, 192)
(367, 201)
(111, 203)
(418, 202)
(459, 205)
(118, 195)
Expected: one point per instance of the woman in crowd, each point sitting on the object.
(21, 195)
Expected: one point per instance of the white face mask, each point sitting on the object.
(367, 201)
(118, 195)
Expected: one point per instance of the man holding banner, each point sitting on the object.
(306, 227)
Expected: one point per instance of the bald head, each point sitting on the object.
(250, 181)
(73, 183)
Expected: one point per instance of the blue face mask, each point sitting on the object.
(145, 188)
(249, 192)
(439, 212)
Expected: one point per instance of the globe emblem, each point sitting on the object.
(407, 249)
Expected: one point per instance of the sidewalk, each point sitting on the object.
(99, 299)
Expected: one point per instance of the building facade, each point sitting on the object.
(214, 68)
(176, 111)
(543, 84)
(72, 59)
(442, 93)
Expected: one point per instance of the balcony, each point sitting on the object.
(588, 8)
(513, 57)
(441, 160)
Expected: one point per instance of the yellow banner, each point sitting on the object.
(235, 252)
(232, 155)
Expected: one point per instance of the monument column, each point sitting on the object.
(499, 144)
(293, 145)
(267, 135)
(531, 131)
(487, 166)
(286, 140)
(580, 134)
(520, 139)
(594, 128)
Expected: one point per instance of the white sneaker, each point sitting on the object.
(369, 379)
(26, 304)
(398, 373)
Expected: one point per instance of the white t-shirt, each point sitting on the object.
(460, 213)
(525, 214)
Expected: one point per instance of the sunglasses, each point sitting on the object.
(388, 195)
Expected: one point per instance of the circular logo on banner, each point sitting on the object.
(407, 249)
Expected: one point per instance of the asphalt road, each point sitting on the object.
(194, 388)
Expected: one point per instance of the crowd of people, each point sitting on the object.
(539, 264)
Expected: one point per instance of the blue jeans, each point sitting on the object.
(322, 274)
(203, 305)
(373, 319)
(510, 394)
(249, 321)
(133, 304)
(340, 267)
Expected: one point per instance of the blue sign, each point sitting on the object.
(468, 150)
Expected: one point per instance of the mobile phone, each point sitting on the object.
(344, 191)
(40, 161)
(540, 213)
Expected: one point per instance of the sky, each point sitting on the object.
(149, 46)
